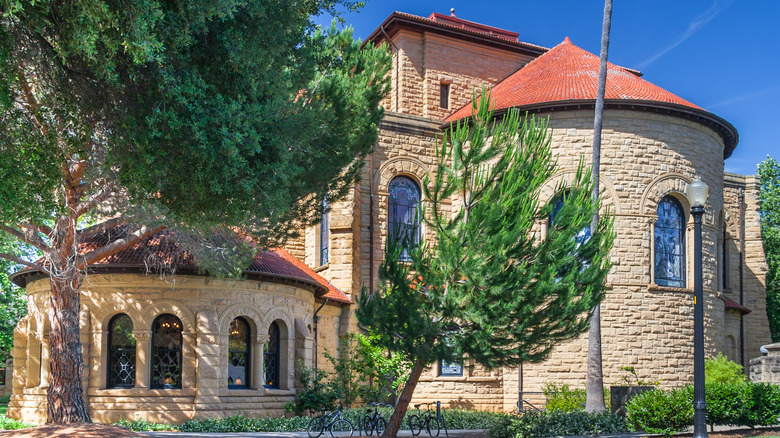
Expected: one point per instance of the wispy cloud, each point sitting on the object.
(697, 23)
(743, 97)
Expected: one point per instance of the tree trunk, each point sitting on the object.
(403, 400)
(65, 394)
(594, 400)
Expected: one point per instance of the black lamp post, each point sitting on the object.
(697, 192)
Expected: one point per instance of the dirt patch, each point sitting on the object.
(80, 430)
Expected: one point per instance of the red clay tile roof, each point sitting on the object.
(733, 305)
(565, 73)
(276, 262)
(568, 75)
(460, 23)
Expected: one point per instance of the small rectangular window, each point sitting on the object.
(450, 368)
(444, 96)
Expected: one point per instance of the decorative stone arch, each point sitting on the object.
(101, 315)
(143, 349)
(286, 343)
(255, 320)
(672, 183)
(565, 177)
(152, 311)
(397, 166)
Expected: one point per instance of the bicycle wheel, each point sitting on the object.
(368, 426)
(379, 426)
(432, 427)
(316, 427)
(341, 428)
(415, 426)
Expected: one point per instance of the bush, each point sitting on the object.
(719, 369)
(316, 394)
(562, 398)
(559, 423)
(140, 425)
(5, 400)
(661, 412)
(727, 403)
(764, 405)
(10, 424)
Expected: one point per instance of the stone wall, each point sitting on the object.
(766, 369)
(205, 306)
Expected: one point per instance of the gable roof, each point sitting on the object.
(275, 263)
(568, 75)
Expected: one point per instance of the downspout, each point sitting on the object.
(397, 65)
(316, 320)
(741, 198)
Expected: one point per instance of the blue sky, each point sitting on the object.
(722, 55)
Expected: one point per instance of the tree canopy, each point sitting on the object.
(491, 289)
(769, 198)
(221, 119)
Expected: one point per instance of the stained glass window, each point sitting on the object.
(271, 356)
(404, 215)
(584, 233)
(325, 235)
(670, 244)
(450, 368)
(238, 354)
(121, 352)
(166, 352)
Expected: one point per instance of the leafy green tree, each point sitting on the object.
(490, 289)
(13, 300)
(769, 198)
(205, 117)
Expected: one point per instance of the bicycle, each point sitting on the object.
(427, 420)
(333, 422)
(373, 421)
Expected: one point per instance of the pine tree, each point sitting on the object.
(491, 289)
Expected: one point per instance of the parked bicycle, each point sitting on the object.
(424, 420)
(333, 422)
(373, 421)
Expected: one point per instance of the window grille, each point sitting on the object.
(271, 356)
(121, 352)
(166, 352)
(238, 354)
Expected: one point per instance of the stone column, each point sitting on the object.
(766, 369)
(143, 359)
(207, 349)
(45, 362)
(258, 368)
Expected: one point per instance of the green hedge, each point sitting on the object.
(734, 404)
(558, 423)
(455, 419)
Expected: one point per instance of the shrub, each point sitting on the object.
(661, 412)
(316, 394)
(562, 398)
(559, 423)
(141, 425)
(5, 400)
(727, 403)
(10, 424)
(719, 369)
(764, 406)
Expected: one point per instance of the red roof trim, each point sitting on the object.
(733, 305)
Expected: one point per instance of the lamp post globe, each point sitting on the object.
(697, 193)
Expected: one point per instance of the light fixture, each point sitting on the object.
(697, 192)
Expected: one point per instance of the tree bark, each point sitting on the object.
(391, 431)
(594, 399)
(65, 393)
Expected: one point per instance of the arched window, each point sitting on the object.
(584, 233)
(271, 356)
(404, 214)
(166, 352)
(238, 354)
(121, 352)
(670, 243)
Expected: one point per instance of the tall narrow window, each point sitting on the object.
(238, 354)
(325, 234)
(404, 215)
(271, 356)
(444, 96)
(670, 243)
(166, 352)
(725, 260)
(121, 352)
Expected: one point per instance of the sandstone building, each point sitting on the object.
(191, 346)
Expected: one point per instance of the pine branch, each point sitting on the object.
(27, 235)
(117, 245)
(19, 260)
